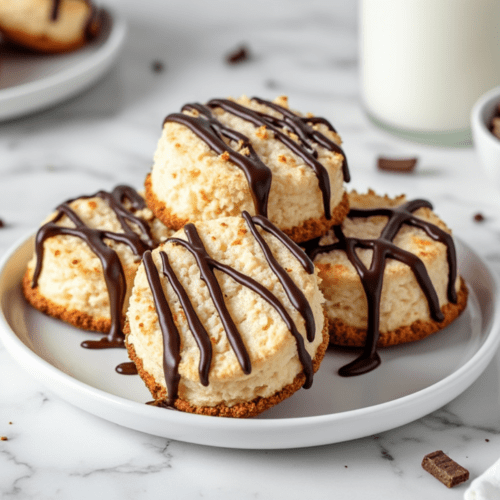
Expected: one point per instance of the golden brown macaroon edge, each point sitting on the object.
(350, 336)
(73, 317)
(311, 228)
(239, 410)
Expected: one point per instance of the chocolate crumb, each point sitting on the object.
(487, 440)
(157, 66)
(479, 217)
(4, 438)
(2, 224)
(443, 468)
(494, 124)
(241, 54)
(405, 165)
(345, 466)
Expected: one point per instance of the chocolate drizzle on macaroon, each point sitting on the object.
(259, 176)
(207, 266)
(95, 239)
(212, 132)
(372, 278)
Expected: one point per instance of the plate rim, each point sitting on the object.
(100, 60)
(184, 423)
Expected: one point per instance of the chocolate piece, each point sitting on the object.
(239, 55)
(442, 467)
(494, 124)
(157, 66)
(479, 217)
(2, 224)
(396, 164)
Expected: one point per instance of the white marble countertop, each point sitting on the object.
(106, 136)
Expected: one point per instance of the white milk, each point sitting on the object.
(425, 62)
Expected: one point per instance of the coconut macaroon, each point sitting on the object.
(226, 318)
(226, 156)
(86, 257)
(50, 25)
(389, 275)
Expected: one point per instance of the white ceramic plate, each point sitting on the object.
(412, 381)
(30, 82)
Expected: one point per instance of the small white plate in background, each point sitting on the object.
(30, 82)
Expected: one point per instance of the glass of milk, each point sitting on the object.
(425, 62)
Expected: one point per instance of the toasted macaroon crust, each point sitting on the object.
(349, 336)
(405, 314)
(228, 156)
(213, 377)
(238, 410)
(48, 25)
(72, 282)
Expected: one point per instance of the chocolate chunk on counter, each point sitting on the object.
(442, 467)
(157, 66)
(239, 55)
(396, 164)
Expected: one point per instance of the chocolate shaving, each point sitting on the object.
(494, 124)
(443, 468)
(238, 56)
(405, 165)
(157, 66)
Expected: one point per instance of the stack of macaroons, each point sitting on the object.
(228, 315)
(247, 326)
(50, 26)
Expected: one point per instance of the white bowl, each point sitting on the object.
(485, 143)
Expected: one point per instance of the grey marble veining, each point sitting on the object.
(107, 135)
